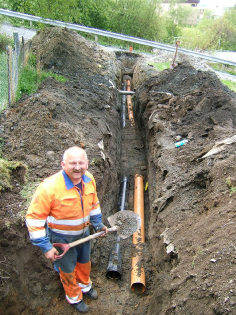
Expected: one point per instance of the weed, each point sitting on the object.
(199, 252)
(160, 65)
(4, 41)
(231, 187)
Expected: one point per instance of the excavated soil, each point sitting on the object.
(189, 253)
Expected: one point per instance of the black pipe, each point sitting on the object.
(123, 190)
(114, 268)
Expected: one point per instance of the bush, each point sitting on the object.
(4, 41)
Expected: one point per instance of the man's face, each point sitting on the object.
(75, 164)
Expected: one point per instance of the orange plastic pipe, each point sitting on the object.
(129, 104)
(138, 284)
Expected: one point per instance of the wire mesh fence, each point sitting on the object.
(3, 81)
(11, 64)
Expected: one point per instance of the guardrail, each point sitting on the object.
(95, 31)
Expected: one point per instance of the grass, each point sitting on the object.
(6, 167)
(160, 65)
(31, 78)
(231, 85)
(222, 67)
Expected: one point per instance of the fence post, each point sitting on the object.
(11, 93)
(16, 60)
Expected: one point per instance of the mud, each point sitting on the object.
(189, 250)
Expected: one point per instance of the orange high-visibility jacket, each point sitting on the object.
(66, 209)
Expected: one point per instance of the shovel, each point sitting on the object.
(125, 223)
(173, 65)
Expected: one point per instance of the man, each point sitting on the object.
(62, 208)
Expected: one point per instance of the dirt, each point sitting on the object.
(189, 254)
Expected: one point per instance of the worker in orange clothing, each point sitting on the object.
(62, 208)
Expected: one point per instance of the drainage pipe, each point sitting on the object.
(138, 284)
(123, 193)
(126, 92)
(123, 102)
(114, 268)
(129, 104)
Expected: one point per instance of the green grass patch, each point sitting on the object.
(160, 65)
(6, 168)
(222, 67)
(231, 85)
(30, 79)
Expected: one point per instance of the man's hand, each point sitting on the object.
(105, 229)
(51, 254)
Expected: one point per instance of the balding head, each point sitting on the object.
(75, 163)
(74, 151)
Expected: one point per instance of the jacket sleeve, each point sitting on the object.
(36, 217)
(95, 213)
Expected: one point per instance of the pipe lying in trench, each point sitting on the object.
(126, 92)
(138, 284)
(123, 102)
(129, 104)
(114, 268)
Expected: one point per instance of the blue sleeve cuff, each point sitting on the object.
(96, 221)
(44, 243)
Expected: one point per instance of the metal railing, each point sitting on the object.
(95, 31)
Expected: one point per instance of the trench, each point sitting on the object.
(133, 297)
(112, 259)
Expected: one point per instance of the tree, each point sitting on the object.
(135, 17)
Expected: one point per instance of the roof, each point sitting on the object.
(188, 1)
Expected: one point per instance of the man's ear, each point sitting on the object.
(62, 164)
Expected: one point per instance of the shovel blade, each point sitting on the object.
(128, 222)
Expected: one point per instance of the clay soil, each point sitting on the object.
(189, 253)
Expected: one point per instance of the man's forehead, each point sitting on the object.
(78, 159)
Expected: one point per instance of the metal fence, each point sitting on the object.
(12, 62)
(3, 81)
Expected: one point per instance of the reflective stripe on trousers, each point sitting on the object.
(77, 282)
(74, 267)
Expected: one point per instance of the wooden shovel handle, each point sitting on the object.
(91, 237)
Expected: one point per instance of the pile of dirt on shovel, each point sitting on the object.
(189, 254)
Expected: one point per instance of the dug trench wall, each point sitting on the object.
(192, 205)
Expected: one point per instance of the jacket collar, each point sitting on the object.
(69, 183)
